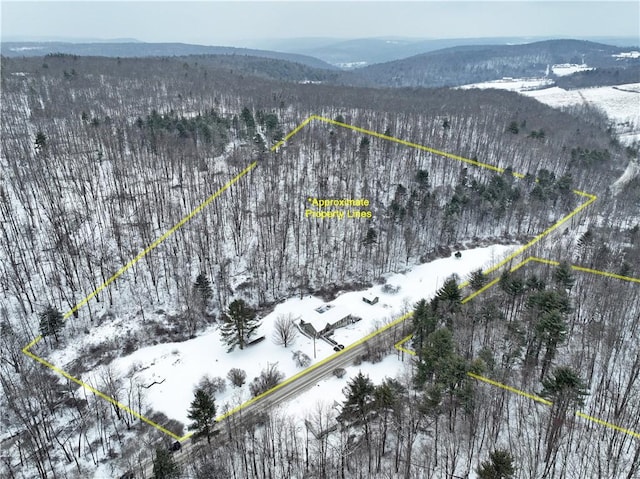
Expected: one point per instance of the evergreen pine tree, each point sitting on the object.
(51, 322)
(566, 390)
(448, 298)
(164, 467)
(203, 413)
(551, 329)
(387, 394)
(513, 128)
(371, 237)
(203, 286)
(450, 291)
(40, 142)
(248, 120)
(238, 324)
(425, 321)
(534, 283)
(499, 466)
(563, 276)
(360, 395)
(477, 280)
(203, 291)
(438, 348)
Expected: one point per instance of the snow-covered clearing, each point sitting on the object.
(177, 367)
(621, 104)
(564, 69)
(351, 65)
(632, 171)
(512, 84)
(328, 391)
(631, 54)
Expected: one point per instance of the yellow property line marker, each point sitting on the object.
(519, 392)
(587, 270)
(142, 254)
(546, 402)
(188, 217)
(590, 200)
(400, 344)
(90, 388)
(151, 247)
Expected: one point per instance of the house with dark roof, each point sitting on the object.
(324, 319)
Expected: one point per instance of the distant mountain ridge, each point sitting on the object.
(368, 51)
(478, 63)
(448, 67)
(140, 49)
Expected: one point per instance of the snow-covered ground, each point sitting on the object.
(512, 84)
(329, 390)
(564, 69)
(621, 103)
(631, 54)
(351, 65)
(177, 367)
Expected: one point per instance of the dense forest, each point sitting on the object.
(101, 156)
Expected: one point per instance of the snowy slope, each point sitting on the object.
(512, 84)
(564, 69)
(621, 103)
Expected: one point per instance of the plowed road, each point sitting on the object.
(385, 337)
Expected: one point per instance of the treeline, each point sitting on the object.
(600, 77)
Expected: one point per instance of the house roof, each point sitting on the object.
(325, 314)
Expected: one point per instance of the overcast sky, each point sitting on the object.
(234, 23)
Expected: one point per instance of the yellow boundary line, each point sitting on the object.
(198, 209)
(537, 238)
(400, 344)
(99, 393)
(142, 254)
(316, 366)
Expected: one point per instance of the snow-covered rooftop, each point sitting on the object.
(325, 314)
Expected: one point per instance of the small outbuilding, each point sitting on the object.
(370, 299)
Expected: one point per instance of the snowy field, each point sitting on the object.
(177, 367)
(565, 69)
(512, 84)
(621, 103)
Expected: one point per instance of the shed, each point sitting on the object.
(370, 299)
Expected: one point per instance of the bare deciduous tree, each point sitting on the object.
(285, 330)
